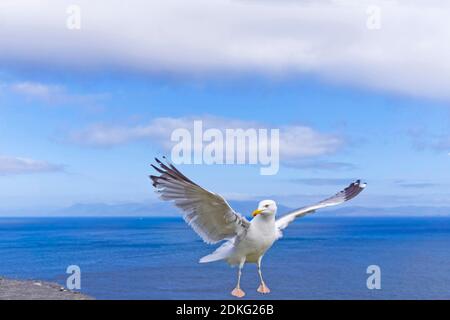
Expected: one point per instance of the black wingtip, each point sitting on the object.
(353, 189)
(154, 180)
(157, 169)
(169, 170)
(360, 184)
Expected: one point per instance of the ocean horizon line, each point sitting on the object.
(174, 217)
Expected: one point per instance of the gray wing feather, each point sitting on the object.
(208, 213)
(348, 193)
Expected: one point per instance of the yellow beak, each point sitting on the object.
(256, 212)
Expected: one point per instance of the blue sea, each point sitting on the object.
(157, 258)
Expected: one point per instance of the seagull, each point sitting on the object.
(213, 219)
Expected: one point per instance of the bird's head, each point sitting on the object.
(266, 208)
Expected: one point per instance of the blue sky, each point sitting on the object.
(68, 128)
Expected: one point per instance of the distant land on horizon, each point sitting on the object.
(162, 209)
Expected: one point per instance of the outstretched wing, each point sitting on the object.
(206, 212)
(348, 193)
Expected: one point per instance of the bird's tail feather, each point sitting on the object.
(210, 258)
(221, 253)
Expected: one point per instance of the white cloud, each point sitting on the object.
(410, 53)
(303, 141)
(16, 165)
(35, 89)
(424, 139)
(54, 94)
(101, 135)
(321, 165)
(296, 141)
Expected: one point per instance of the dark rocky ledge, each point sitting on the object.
(36, 290)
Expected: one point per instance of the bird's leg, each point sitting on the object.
(262, 287)
(238, 292)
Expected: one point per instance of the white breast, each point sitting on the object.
(259, 238)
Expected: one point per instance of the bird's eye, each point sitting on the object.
(266, 206)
